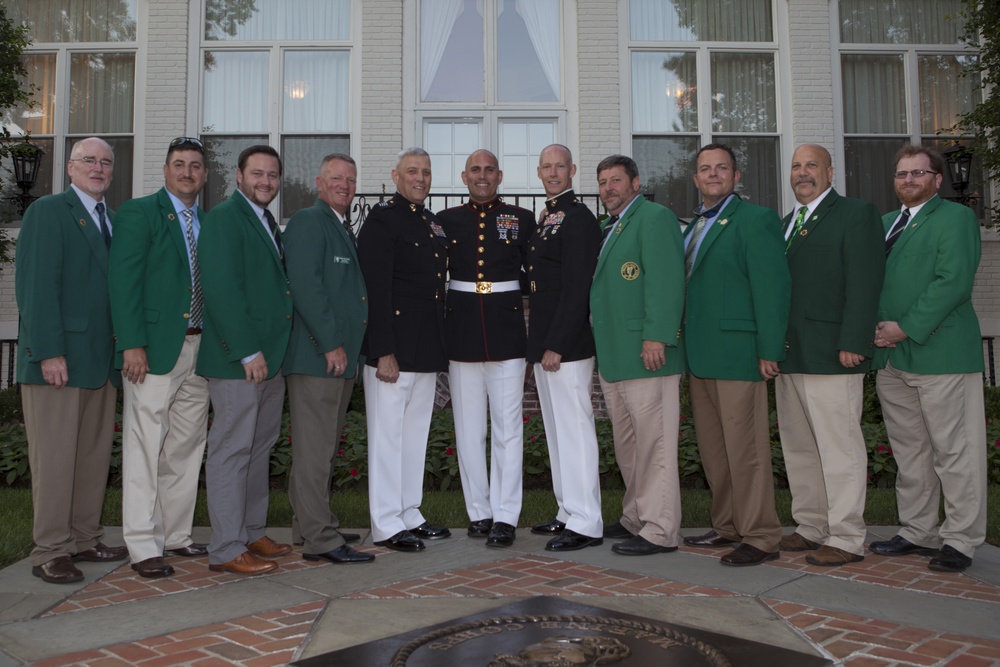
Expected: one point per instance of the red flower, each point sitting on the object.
(289, 438)
(449, 451)
(354, 472)
(118, 427)
(343, 438)
(340, 452)
(881, 448)
(526, 419)
(533, 438)
(997, 443)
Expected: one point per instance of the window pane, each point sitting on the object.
(664, 92)
(757, 159)
(944, 92)
(277, 20)
(233, 79)
(528, 51)
(451, 51)
(901, 21)
(37, 119)
(8, 188)
(221, 154)
(121, 178)
(696, 20)
(63, 21)
(301, 157)
(865, 112)
(316, 91)
(869, 170)
(449, 143)
(666, 165)
(102, 92)
(521, 142)
(743, 96)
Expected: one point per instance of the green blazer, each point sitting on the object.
(61, 284)
(928, 291)
(837, 264)
(248, 303)
(638, 293)
(738, 295)
(331, 305)
(150, 280)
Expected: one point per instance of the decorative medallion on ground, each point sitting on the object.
(554, 632)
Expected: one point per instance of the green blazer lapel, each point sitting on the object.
(339, 231)
(88, 228)
(259, 227)
(174, 225)
(814, 220)
(916, 224)
(717, 227)
(606, 248)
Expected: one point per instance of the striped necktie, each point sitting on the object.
(897, 230)
(197, 301)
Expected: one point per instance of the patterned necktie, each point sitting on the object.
(350, 230)
(699, 227)
(105, 230)
(612, 221)
(896, 230)
(799, 221)
(197, 302)
(275, 234)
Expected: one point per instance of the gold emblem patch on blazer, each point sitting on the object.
(630, 270)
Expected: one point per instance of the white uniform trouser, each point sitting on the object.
(399, 420)
(503, 383)
(568, 414)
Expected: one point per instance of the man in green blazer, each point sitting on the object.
(836, 257)
(636, 304)
(324, 353)
(156, 307)
(930, 360)
(248, 318)
(65, 364)
(738, 295)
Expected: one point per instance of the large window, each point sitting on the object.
(490, 75)
(81, 64)
(704, 72)
(901, 65)
(279, 77)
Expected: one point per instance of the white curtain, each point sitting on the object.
(874, 94)
(436, 21)
(235, 95)
(541, 17)
(279, 20)
(743, 93)
(945, 93)
(691, 20)
(75, 20)
(664, 99)
(102, 93)
(898, 22)
(316, 91)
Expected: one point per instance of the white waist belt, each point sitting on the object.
(485, 286)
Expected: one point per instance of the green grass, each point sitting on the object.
(447, 508)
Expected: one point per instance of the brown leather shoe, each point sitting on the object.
(746, 554)
(58, 571)
(268, 548)
(796, 542)
(710, 539)
(830, 556)
(102, 553)
(245, 563)
(153, 568)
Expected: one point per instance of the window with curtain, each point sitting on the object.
(276, 77)
(700, 73)
(909, 52)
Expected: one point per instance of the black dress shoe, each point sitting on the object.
(58, 571)
(404, 540)
(350, 538)
(899, 546)
(342, 554)
(616, 531)
(102, 553)
(153, 568)
(553, 527)
(501, 535)
(426, 531)
(190, 551)
(480, 528)
(949, 559)
(709, 539)
(640, 546)
(569, 540)
(745, 555)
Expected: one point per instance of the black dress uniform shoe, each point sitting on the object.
(404, 540)
(899, 546)
(58, 571)
(569, 540)
(102, 553)
(553, 527)
(342, 554)
(501, 535)
(191, 550)
(640, 546)
(949, 559)
(153, 568)
(745, 555)
(350, 538)
(709, 539)
(480, 528)
(426, 531)
(616, 531)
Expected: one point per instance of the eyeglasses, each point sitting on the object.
(916, 173)
(187, 141)
(92, 161)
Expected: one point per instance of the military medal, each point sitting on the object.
(437, 229)
(507, 225)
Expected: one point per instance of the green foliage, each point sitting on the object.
(14, 39)
(10, 406)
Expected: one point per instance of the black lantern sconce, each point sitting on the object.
(27, 157)
(959, 160)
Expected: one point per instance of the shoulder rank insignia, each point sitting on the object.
(630, 270)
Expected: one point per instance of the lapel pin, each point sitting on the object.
(83, 223)
(724, 221)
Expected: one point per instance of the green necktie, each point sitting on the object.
(799, 220)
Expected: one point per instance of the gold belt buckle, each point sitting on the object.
(484, 287)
